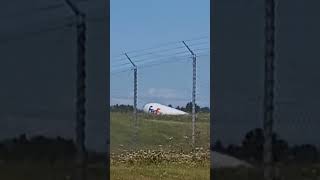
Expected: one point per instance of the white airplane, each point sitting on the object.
(159, 109)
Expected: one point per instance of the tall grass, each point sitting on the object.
(171, 132)
(163, 149)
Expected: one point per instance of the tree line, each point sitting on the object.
(186, 108)
(37, 148)
(41, 148)
(251, 149)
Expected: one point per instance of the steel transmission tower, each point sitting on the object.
(269, 88)
(194, 80)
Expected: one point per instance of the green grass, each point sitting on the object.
(45, 171)
(158, 130)
(162, 171)
(154, 133)
(168, 131)
(287, 172)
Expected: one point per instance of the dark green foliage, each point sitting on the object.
(121, 108)
(251, 149)
(305, 153)
(205, 110)
(252, 145)
(38, 148)
(218, 146)
(188, 108)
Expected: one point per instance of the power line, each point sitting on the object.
(166, 56)
(139, 59)
(160, 46)
(161, 57)
(199, 38)
(116, 72)
(37, 10)
(159, 51)
(96, 19)
(166, 62)
(169, 60)
(197, 44)
(32, 34)
(144, 66)
(122, 64)
(165, 50)
(198, 49)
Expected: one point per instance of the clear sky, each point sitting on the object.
(143, 24)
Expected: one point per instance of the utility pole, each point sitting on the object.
(135, 92)
(194, 79)
(81, 157)
(269, 88)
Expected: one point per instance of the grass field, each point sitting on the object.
(163, 152)
(45, 171)
(287, 172)
(163, 171)
(159, 135)
(165, 131)
(170, 133)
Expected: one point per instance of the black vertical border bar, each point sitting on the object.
(212, 83)
(107, 75)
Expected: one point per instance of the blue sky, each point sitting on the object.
(143, 24)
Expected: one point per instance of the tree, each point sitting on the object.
(37, 148)
(305, 153)
(218, 146)
(205, 109)
(121, 108)
(280, 149)
(188, 107)
(252, 146)
(234, 150)
(23, 139)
